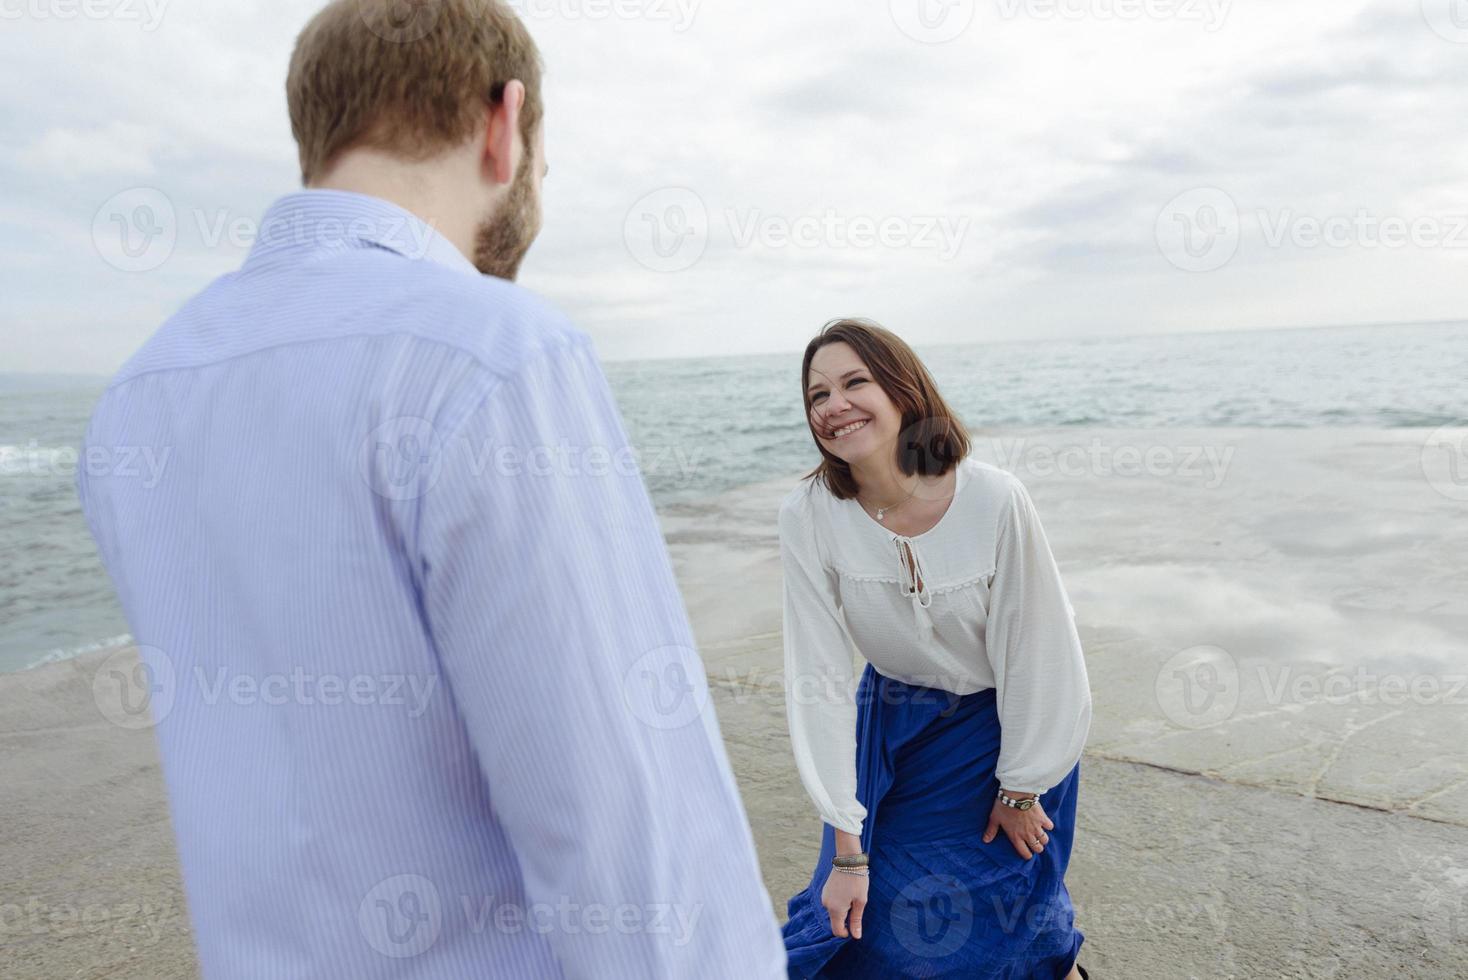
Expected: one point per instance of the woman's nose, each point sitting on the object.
(835, 405)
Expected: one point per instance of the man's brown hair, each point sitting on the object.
(408, 77)
(932, 439)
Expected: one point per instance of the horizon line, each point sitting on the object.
(1065, 338)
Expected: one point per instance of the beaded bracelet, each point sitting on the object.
(859, 872)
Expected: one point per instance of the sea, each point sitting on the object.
(705, 425)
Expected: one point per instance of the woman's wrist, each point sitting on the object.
(847, 844)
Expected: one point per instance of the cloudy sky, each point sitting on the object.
(726, 175)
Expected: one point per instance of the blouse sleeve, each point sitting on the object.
(1043, 693)
(819, 698)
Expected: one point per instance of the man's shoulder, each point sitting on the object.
(496, 323)
(500, 323)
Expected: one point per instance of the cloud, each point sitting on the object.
(1055, 141)
(117, 149)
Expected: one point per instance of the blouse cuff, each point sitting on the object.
(1020, 786)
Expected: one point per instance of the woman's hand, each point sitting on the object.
(845, 893)
(1024, 828)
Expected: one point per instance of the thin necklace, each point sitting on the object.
(882, 512)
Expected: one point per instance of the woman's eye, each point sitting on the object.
(852, 382)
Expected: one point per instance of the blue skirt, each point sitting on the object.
(940, 902)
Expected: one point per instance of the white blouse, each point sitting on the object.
(980, 606)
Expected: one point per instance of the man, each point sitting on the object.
(424, 689)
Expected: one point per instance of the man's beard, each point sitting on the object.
(501, 241)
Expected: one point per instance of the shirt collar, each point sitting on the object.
(318, 222)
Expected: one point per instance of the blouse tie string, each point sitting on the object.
(914, 579)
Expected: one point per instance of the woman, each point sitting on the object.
(948, 784)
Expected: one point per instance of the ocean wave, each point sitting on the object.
(58, 655)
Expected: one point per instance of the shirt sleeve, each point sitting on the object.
(550, 598)
(819, 673)
(1042, 689)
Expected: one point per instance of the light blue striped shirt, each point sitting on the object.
(425, 691)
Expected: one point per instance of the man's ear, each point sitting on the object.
(503, 133)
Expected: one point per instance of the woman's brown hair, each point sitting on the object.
(932, 439)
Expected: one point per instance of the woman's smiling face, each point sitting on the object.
(851, 414)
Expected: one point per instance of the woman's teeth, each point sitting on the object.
(847, 430)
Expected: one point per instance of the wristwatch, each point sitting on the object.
(1014, 804)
